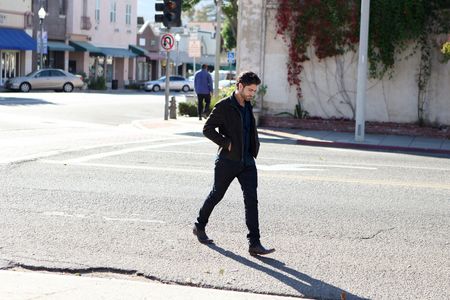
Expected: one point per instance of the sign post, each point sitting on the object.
(167, 42)
(230, 58)
(195, 49)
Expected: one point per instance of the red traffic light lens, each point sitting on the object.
(171, 5)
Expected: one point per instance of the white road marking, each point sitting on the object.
(79, 216)
(364, 166)
(133, 220)
(63, 214)
(117, 166)
(74, 149)
(129, 150)
(307, 167)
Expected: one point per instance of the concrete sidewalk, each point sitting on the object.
(389, 143)
(377, 142)
(18, 285)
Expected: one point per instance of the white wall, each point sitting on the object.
(329, 86)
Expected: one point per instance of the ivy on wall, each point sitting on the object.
(331, 27)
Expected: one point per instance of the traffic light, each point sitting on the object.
(171, 13)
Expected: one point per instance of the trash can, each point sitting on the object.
(114, 84)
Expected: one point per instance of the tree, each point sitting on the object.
(230, 10)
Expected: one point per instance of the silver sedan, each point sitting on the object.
(45, 79)
(176, 83)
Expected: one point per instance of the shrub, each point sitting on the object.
(133, 86)
(97, 84)
(188, 109)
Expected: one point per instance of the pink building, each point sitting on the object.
(101, 32)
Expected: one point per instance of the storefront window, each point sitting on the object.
(9, 65)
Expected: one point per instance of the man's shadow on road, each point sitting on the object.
(304, 284)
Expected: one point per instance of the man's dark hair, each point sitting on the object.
(204, 66)
(248, 78)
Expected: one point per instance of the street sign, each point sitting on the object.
(195, 48)
(230, 57)
(167, 41)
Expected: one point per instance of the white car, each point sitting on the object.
(176, 83)
(226, 83)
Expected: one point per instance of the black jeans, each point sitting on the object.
(224, 173)
(201, 98)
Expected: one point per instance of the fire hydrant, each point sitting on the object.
(173, 108)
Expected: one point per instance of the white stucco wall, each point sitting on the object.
(250, 35)
(329, 86)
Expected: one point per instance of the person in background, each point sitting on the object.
(203, 85)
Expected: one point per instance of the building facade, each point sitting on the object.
(100, 32)
(56, 54)
(329, 85)
(148, 64)
(16, 42)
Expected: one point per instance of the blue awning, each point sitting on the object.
(117, 52)
(16, 39)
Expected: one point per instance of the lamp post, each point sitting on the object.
(177, 39)
(41, 13)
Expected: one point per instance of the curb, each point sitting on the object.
(370, 147)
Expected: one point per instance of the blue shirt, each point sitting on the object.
(203, 82)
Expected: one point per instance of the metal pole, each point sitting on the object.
(178, 55)
(217, 63)
(194, 66)
(41, 46)
(362, 72)
(167, 89)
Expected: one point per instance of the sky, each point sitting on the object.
(146, 8)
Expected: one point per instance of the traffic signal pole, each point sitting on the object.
(170, 17)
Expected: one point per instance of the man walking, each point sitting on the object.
(203, 88)
(238, 142)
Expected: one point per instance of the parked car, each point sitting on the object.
(226, 83)
(176, 83)
(45, 79)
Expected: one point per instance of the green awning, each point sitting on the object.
(84, 47)
(138, 50)
(59, 46)
(117, 52)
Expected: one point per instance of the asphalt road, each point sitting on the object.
(108, 195)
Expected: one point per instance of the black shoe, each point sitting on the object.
(258, 249)
(201, 236)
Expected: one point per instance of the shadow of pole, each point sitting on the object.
(302, 283)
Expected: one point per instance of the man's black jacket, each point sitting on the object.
(228, 119)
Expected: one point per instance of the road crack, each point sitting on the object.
(376, 234)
